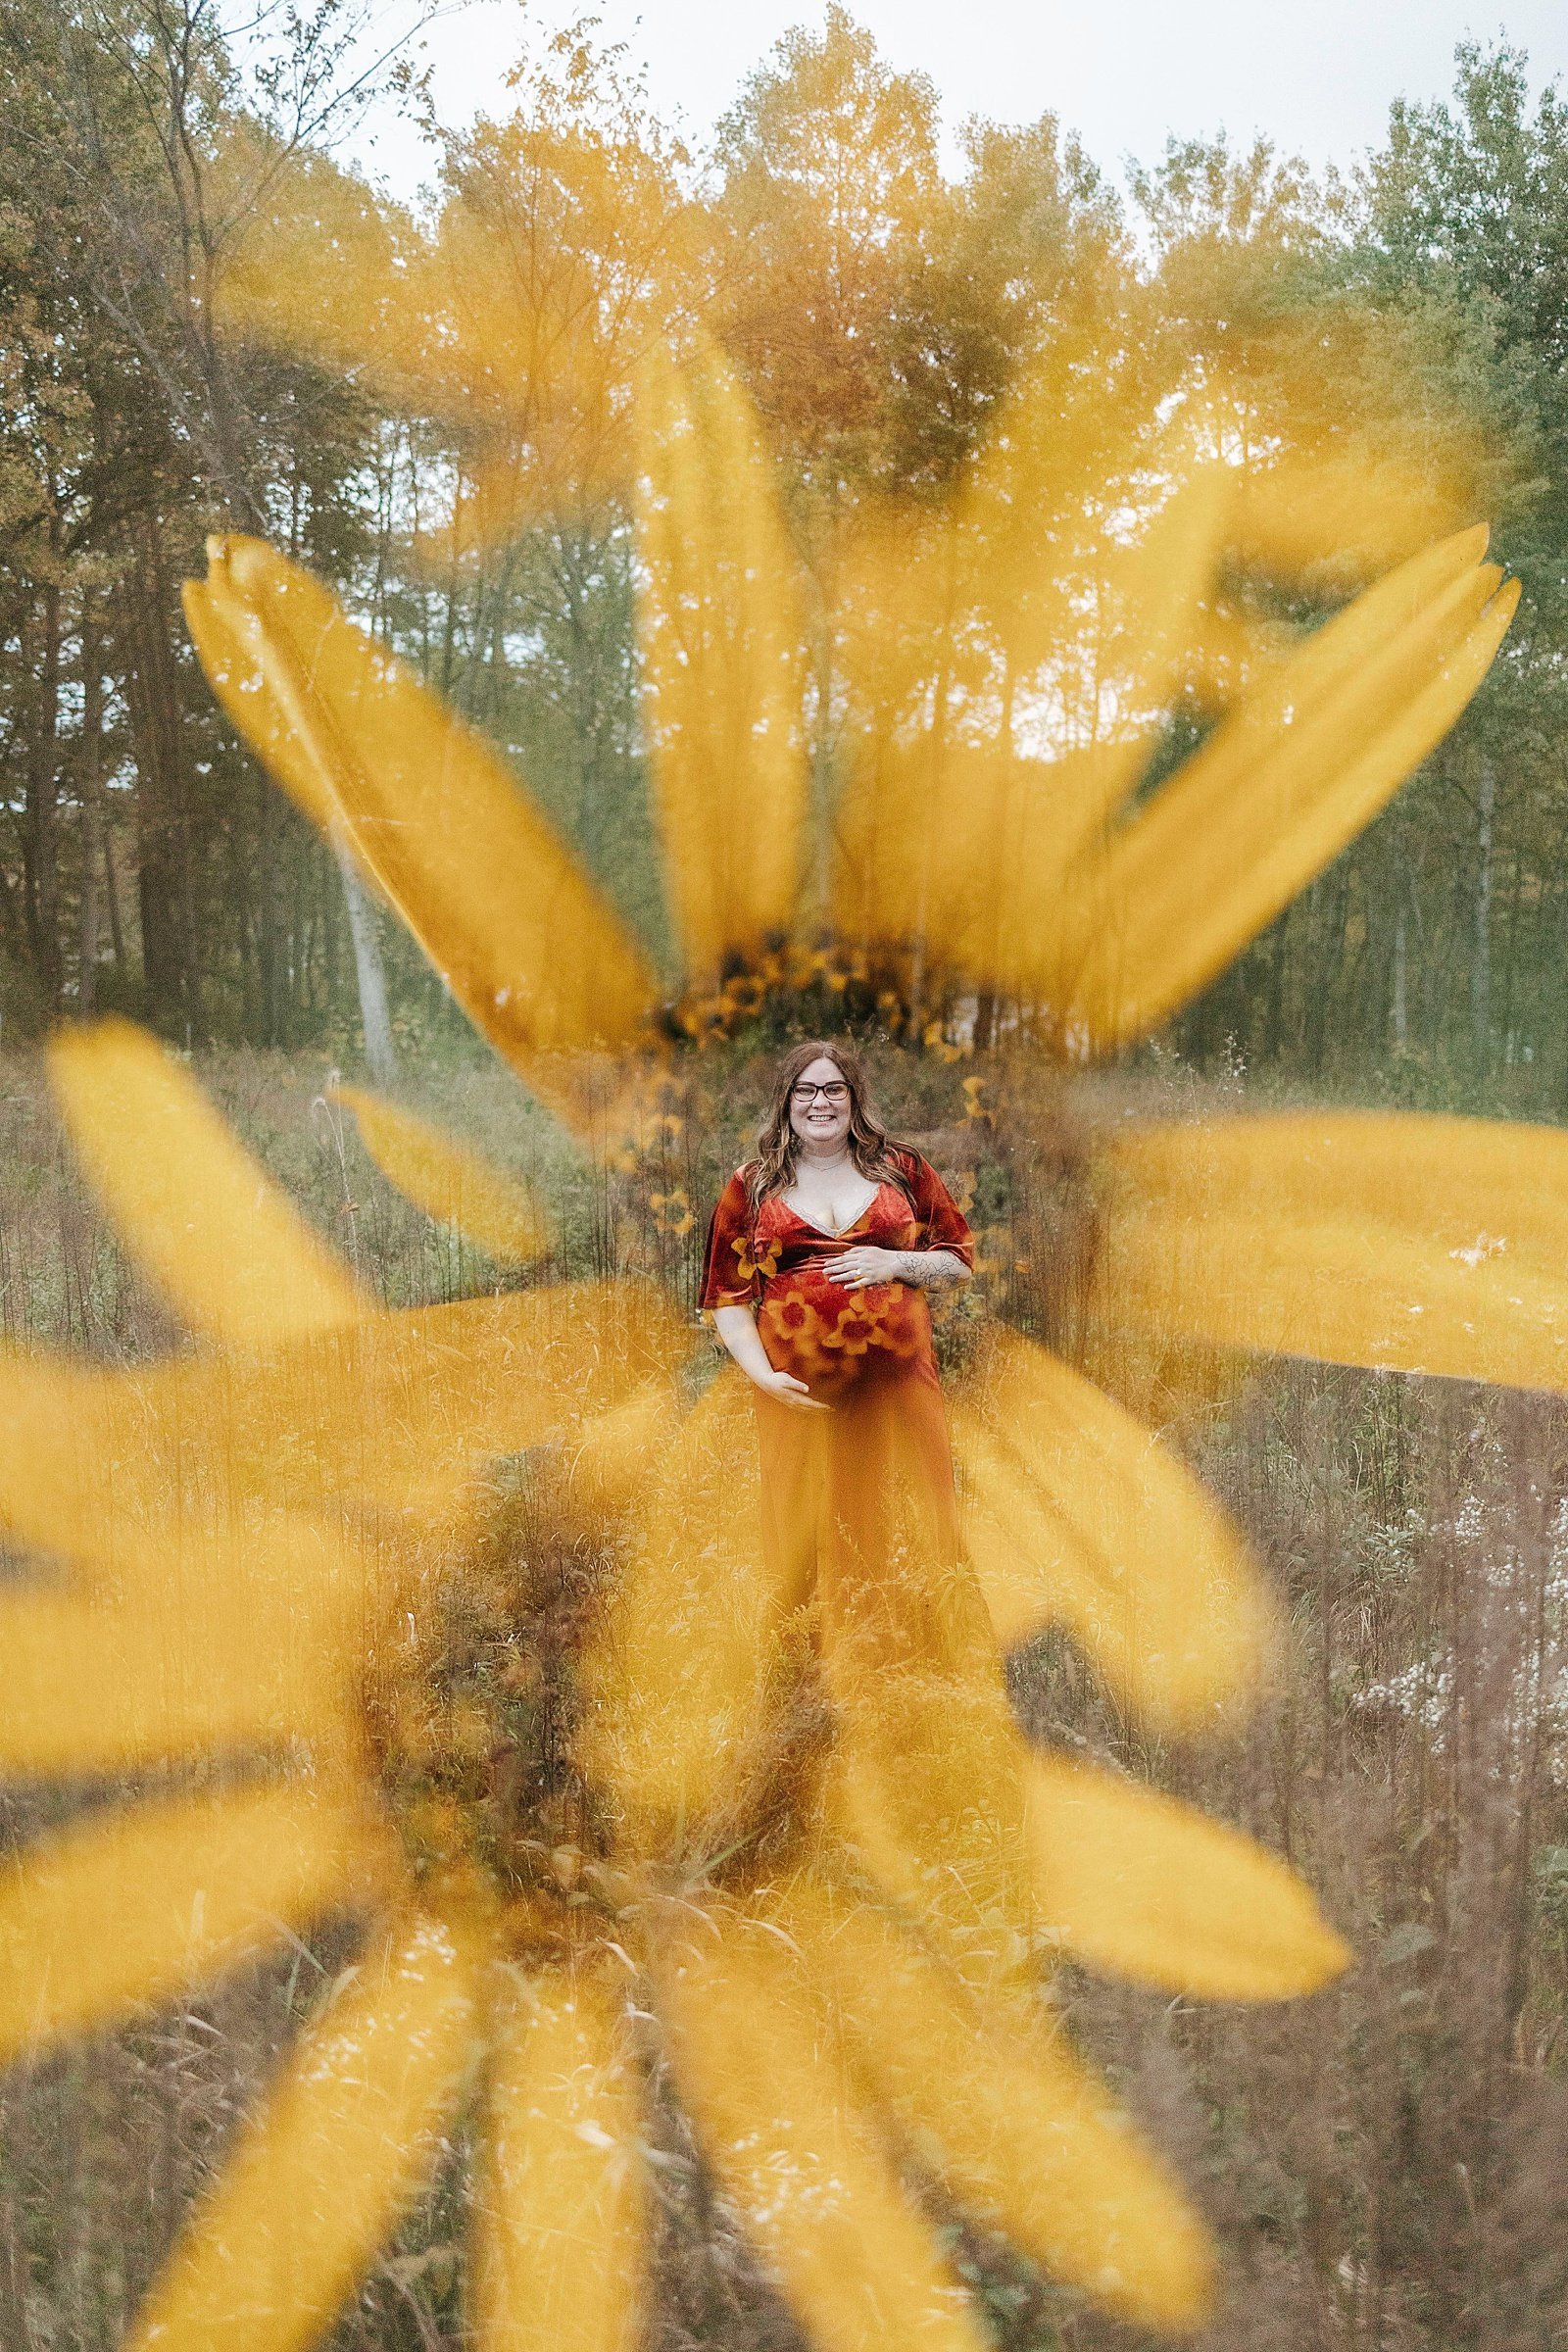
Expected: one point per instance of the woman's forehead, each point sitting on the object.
(820, 1073)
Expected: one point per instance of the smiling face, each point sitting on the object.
(821, 1120)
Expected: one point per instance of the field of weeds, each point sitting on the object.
(1382, 2165)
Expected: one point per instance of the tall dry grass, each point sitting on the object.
(1384, 2165)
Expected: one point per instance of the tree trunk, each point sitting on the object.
(1274, 1007)
(1481, 966)
(42, 847)
(268, 915)
(92, 812)
(987, 1009)
(163, 858)
(369, 975)
(379, 1053)
(117, 928)
(985, 1020)
(1331, 898)
(1510, 957)
(942, 695)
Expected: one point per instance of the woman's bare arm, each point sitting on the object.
(858, 1269)
(931, 1269)
(736, 1326)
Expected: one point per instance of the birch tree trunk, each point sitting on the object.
(380, 1054)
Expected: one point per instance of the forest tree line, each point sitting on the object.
(210, 322)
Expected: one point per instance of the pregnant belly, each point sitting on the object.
(830, 1337)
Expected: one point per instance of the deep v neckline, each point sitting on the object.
(827, 1231)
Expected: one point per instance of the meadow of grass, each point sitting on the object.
(1384, 2165)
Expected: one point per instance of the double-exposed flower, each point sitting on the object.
(593, 1778)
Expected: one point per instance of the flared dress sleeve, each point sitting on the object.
(729, 1276)
(941, 1220)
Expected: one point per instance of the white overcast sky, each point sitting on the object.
(1316, 78)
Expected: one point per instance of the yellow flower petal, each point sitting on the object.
(682, 1670)
(924, 1777)
(925, 1787)
(773, 2099)
(562, 2206)
(227, 1250)
(342, 2147)
(220, 1643)
(56, 1480)
(1136, 1885)
(532, 952)
(996, 2107)
(450, 1181)
(616, 1454)
(398, 1410)
(1304, 763)
(719, 632)
(966, 851)
(1408, 1243)
(968, 848)
(1076, 1516)
(1302, 508)
(120, 1912)
(1127, 1880)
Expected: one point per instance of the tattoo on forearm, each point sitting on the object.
(929, 1269)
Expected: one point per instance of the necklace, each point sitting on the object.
(828, 1170)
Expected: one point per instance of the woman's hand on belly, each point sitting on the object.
(789, 1391)
(863, 1266)
(736, 1326)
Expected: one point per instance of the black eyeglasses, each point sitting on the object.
(835, 1092)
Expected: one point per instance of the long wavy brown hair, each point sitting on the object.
(871, 1146)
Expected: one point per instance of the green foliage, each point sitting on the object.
(440, 434)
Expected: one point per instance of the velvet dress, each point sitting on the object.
(847, 1490)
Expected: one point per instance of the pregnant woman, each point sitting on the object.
(819, 1256)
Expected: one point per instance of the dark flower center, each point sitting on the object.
(471, 1716)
